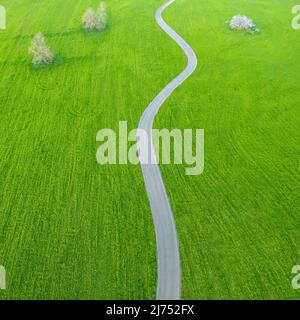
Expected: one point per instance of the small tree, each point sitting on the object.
(89, 19)
(95, 20)
(39, 51)
(240, 22)
(101, 17)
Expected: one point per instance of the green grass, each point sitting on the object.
(70, 228)
(238, 223)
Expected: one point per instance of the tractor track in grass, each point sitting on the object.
(168, 257)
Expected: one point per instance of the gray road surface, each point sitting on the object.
(168, 258)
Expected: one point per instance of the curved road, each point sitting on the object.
(169, 274)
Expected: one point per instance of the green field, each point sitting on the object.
(71, 229)
(238, 223)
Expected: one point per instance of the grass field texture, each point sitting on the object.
(238, 223)
(72, 229)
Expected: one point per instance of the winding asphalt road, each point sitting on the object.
(169, 273)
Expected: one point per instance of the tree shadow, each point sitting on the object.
(61, 34)
(49, 34)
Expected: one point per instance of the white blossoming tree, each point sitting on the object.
(101, 17)
(89, 19)
(39, 51)
(240, 22)
(95, 20)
